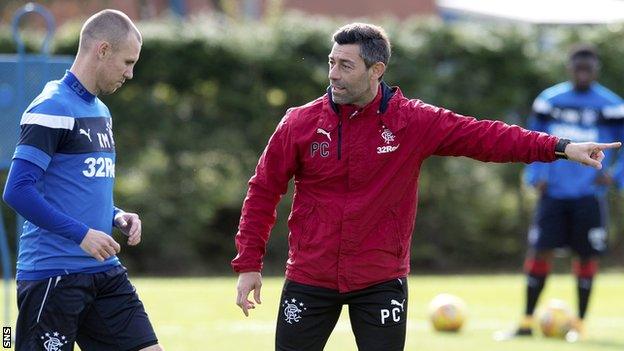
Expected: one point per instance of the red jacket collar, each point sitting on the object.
(385, 102)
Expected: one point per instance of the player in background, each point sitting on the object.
(355, 155)
(71, 287)
(571, 211)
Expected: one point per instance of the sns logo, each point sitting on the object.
(101, 167)
(6, 337)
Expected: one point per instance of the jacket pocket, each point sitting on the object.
(387, 239)
(299, 226)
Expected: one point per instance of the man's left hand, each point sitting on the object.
(589, 154)
(129, 224)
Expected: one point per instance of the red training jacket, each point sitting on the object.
(356, 180)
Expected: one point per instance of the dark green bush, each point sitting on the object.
(207, 95)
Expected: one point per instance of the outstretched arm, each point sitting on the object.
(487, 140)
(495, 141)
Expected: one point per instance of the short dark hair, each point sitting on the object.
(583, 51)
(373, 41)
(109, 25)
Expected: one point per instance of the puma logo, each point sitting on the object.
(397, 303)
(87, 133)
(324, 132)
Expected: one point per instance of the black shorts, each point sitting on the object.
(98, 311)
(574, 223)
(307, 315)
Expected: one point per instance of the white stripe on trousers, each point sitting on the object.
(44, 298)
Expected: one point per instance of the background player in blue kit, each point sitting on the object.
(571, 209)
(70, 285)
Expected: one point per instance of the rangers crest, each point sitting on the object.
(387, 135)
(53, 341)
(292, 310)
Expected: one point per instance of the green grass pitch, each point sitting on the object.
(200, 314)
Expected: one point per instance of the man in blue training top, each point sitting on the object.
(71, 288)
(571, 209)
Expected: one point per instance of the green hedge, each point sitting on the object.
(207, 94)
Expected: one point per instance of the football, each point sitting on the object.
(556, 319)
(447, 313)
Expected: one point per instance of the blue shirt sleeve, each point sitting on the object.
(43, 128)
(536, 172)
(22, 195)
(614, 131)
(617, 170)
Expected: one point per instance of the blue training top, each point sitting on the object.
(67, 132)
(597, 115)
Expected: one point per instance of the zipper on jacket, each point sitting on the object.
(339, 138)
(340, 132)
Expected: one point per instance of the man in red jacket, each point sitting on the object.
(355, 154)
